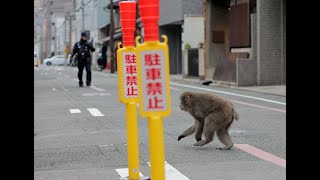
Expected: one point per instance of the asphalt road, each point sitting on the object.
(80, 133)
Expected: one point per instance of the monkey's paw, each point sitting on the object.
(180, 137)
(225, 148)
(200, 143)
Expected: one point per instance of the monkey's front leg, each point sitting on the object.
(199, 130)
(188, 131)
(208, 133)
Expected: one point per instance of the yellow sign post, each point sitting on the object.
(128, 84)
(153, 81)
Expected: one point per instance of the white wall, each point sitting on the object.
(193, 30)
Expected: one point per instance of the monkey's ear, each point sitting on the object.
(187, 97)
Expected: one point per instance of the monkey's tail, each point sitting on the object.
(235, 115)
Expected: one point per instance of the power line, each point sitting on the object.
(84, 5)
(64, 22)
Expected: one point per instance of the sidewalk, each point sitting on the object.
(279, 90)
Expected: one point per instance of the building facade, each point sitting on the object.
(245, 41)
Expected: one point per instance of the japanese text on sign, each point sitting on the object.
(153, 80)
(130, 75)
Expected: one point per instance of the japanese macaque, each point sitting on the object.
(212, 114)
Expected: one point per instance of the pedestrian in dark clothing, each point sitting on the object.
(82, 50)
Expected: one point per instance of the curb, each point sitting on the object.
(223, 85)
(214, 83)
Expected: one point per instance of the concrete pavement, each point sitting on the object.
(73, 141)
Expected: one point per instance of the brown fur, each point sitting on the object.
(212, 114)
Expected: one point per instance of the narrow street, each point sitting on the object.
(80, 133)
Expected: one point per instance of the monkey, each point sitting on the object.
(212, 114)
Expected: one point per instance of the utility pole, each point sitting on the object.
(55, 39)
(49, 36)
(70, 35)
(41, 51)
(111, 38)
(58, 45)
(82, 15)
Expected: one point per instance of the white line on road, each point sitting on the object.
(64, 88)
(54, 89)
(112, 75)
(96, 94)
(98, 89)
(258, 106)
(59, 69)
(172, 173)
(229, 93)
(175, 89)
(74, 111)
(92, 86)
(124, 172)
(95, 112)
(106, 145)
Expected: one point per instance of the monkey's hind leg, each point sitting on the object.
(208, 133)
(225, 139)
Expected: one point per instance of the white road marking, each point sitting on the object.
(114, 75)
(172, 173)
(106, 145)
(54, 89)
(74, 111)
(95, 88)
(237, 132)
(58, 69)
(95, 112)
(229, 93)
(92, 86)
(89, 94)
(64, 88)
(258, 106)
(96, 94)
(124, 172)
(175, 89)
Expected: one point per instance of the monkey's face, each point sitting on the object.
(185, 101)
(181, 107)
